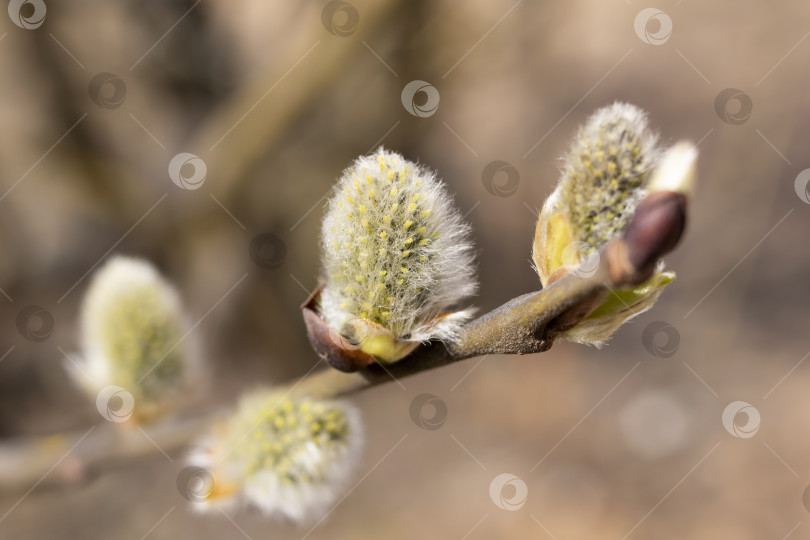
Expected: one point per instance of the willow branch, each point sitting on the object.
(516, 327)
(527, 324)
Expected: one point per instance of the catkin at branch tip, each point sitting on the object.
(606, 171)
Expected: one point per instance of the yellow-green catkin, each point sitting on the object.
(290, 457)
(606, 171)
(602, 182)
(132, 333)
(396, 253)
(612, 165)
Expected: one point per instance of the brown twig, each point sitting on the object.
(519, 326)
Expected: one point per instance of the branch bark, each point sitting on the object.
(527, 324)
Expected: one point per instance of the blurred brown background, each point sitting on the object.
(277, 98)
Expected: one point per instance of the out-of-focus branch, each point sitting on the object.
(70, 458)
(239, 133)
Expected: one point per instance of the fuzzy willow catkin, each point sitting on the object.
(290, 457)
(396, 256)
(132, 333)
(613, 164)
(602, 182)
